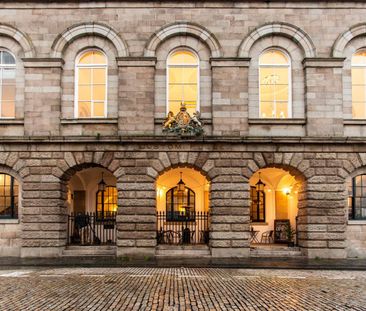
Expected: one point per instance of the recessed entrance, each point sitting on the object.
(274, 209)
(182, 196)
(92, 207)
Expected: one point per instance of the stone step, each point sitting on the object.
(186, 251)
(276, 252)
(103, 250)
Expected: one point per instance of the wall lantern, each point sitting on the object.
(181, 186)
(102, 185)
(259, 186)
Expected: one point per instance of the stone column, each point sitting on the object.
(324, 96)
(230, 96)
(136, 95)
(42, 111)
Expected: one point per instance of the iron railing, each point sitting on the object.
(182, 228)
(92, 229)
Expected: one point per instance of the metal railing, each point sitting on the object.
(181, 228)
(92, 229)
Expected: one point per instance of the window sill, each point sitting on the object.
(357, 222)
(259, 224)
(354, 121)
(10, 121)
(90, 121)
(270, 121)
(7, 221)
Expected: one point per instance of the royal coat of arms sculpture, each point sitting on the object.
(183, 123)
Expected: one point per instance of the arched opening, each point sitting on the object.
(274, 195)
(182, 204)
(92, 207)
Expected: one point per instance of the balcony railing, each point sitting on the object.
(92, 229)
(182, 228)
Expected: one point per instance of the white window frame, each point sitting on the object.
(357, 66)
(198, 106)
(289, 65)
(76, 83)
(3, 66)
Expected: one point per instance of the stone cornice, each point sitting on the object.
(230, 61)
(323, 62)
(43, 62)
(136, 61)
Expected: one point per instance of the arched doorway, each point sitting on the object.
(182, 204)
(92, 207)
(274, 196)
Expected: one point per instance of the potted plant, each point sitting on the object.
(290, 233)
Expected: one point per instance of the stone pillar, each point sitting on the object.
(136, 219)
(230, 211)
(230, 96)
(44, 217)
(42, 111)
(324, 96)
(136, 95)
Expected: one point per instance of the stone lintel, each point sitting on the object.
(11, 121)
(269, 121)
(90, 121)
(136, 61)
(230, 61)
(43, 62)
(323, 62)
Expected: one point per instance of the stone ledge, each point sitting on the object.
(11, 121)
(230, 62)
(323, 62)
(43, 62)
(354, 121)
(357, 222)
(269, 121)
(136, 61)
(90, 121)
(206, 121)
(5, 221)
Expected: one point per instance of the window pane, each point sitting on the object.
(281, 92)
(8, 92)
(84, 92)
(359, 58)
(358, 76)
(358, 110)
(190, 93)
(267, 92)
(99, 109)
(8, 76)
(86, 58)
(99, 75)
(267, 76)
(176, 92)
(273, 57)
(176, 75)
(98, 92)
(8, 109)
(99, 58)
(7, 58)
(174, 106)
(183, 57)
(84, 76)
(282, 110)
(281, 75)
(190, 75)
(358, 93)
(267, 110)
(84, 110)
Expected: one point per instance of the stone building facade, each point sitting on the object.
(321, 144)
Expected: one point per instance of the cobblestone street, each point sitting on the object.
(181, 289)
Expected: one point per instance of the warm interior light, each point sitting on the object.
(286, 190)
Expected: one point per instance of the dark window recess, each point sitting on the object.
(357, 198)
(257, 205)
(106, 202)
(9, 198)
(180, 206)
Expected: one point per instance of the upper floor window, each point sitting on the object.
(359, 85)
(7, 85)
(9, 189)
(183, 81)
(274, 85)
(91, 85)
(357, 197)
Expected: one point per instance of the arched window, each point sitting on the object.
(274, 85)
(9, 193)
(91, 85)
(359, 85)
(7, 85)
(183, 81)
(357, 197)
(180, 206)
(107, 203)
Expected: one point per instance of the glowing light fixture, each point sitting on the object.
(260, 185)
(181, 186)
(102, 185)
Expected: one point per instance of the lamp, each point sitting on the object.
(102, 185)
(260, 185)
(181, 186)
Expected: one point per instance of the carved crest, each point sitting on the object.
(183, 122)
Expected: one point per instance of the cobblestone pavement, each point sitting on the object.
(180, 289)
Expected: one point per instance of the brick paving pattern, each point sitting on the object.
(180, 289)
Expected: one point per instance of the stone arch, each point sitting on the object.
(342, 41)
(184, 29)
(282, 29)
(20, 37)
(85, 29)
